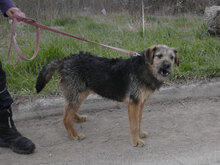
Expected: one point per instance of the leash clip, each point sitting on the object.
(136, 54)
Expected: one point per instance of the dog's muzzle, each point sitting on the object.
(165, 69)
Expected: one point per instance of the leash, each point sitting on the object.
(38, 26)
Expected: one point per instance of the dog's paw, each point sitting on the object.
(81, 118)
(143, 134)
(138, 143)
(78, 137)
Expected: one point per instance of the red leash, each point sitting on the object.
(38, 26)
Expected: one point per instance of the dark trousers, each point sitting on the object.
(5, 97)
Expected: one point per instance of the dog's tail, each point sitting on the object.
(46, 73)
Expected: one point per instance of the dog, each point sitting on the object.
(130, 80)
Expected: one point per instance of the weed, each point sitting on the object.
(198, 51)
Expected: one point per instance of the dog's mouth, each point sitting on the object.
(164, 72)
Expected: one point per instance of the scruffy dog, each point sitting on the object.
(130, 80)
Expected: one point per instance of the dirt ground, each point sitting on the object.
(184, 132)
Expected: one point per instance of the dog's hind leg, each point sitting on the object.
(70, 113)
(68, 117)
(133, 113)
(80, 118)
(82, 96)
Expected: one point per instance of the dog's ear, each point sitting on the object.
(177, 62)
(149, 53)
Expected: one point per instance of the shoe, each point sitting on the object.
(10, 137)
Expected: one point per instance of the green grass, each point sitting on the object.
(198, 51)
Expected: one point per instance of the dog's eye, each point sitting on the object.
(160, 56)
(171, 57)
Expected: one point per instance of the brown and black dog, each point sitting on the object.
(130, 80)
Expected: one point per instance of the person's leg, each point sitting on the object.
(9, 136)
(5, 98)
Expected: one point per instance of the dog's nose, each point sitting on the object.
(166, 65)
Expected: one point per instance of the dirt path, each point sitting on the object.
(185, 132)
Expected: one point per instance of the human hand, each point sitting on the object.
(14, 11)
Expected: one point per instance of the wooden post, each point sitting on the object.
(142, 17)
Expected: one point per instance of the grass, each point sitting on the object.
(198, 51)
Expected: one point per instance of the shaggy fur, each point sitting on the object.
(126, 80)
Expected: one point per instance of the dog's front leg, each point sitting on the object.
(133, 113)
(142, 134)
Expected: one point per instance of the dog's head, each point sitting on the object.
(161, 59)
